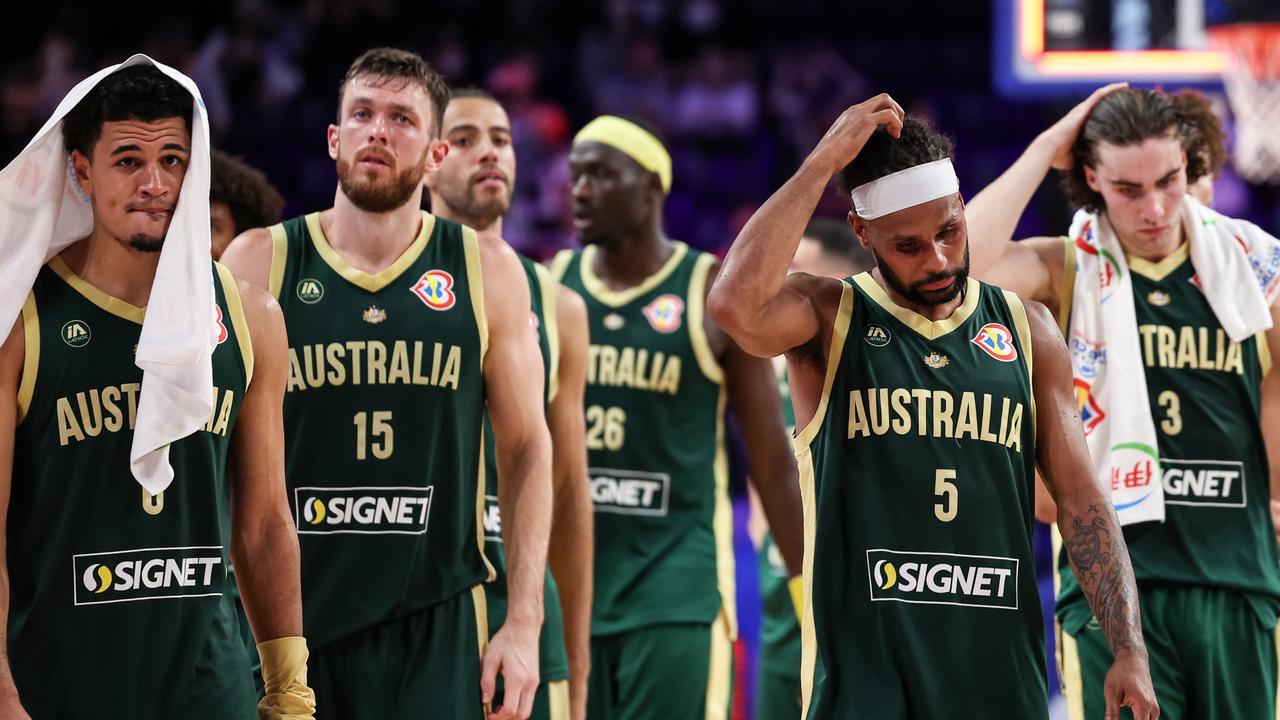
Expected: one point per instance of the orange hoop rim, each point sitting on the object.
(1255, 46)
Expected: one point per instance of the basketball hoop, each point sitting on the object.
(1253, 87)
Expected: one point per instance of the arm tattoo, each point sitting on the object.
(1101, 563)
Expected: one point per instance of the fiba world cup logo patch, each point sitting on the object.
(435, 289)
(996, 341)
(217, 322)
(664, 313)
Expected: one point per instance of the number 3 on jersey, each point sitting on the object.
(606, 428)
(384, 437)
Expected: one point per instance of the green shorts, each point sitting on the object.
(777, 695)
(1213, 656)
(550, 702)
(662, 672)
(423, 665)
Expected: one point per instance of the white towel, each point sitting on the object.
(1238, 269)
(43, 210)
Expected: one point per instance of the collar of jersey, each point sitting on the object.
(358, 277)
(926, 328)
(618, 298)
(109, 303)
(1158, 271)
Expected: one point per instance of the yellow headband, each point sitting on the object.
(639, 144)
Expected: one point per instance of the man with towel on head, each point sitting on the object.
(1169, 310)
(923, 418)
(663, 619)
(140, 426)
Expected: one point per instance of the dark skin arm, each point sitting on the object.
(1091, 533)
(571, 549)
(264, 545)
(12, 354)
(753, 388)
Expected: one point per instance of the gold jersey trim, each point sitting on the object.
(481, 605)
(1264, 352)
(113, 305)
(238, 320)
(720, 672)
(929, 329)
(31, 351)
(808, 632)
(1158, 271)
(1067, 286)
(475, 283)
(618, 298)
(279, 256)
(560, 263)
(697, 300)
(722, 525)
(558, 700)
(839, 331)
(356, 276)
(1022, 326)
(1072, 677)
(491, 574)
(551, 326)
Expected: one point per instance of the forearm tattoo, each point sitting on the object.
(1100, 559)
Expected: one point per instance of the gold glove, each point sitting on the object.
(284, 676)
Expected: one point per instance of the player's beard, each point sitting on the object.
(145, 243)
(914, 295)
(474, 211)
(380, 196)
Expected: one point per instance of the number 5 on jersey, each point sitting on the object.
(946, 509)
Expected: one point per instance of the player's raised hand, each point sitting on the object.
(847, 135)
(1062, 134)
(1128, 684)
(513, 653)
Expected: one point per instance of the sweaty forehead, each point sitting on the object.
(143, 133)
(480, 113)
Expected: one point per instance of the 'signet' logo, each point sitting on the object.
(362, 510)
(943, 579)
(148, 574)
(629, 492)
(1212, 483)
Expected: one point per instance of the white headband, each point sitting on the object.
(904, 189)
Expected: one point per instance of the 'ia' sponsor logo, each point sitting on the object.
(148, 574)
(76, 333)
(877, 335)
(310, 291)
(943, 579)
(1213, 483)
(629, 492)
(362, 510)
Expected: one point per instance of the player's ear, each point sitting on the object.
(333, 142)
(859, 229)
(83, 170)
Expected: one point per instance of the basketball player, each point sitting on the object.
(473, 186)
(1208, 613)
(922, 425)
(404, 328)
(240, 199)
(663, 617)
(85, 645)
(829, 249)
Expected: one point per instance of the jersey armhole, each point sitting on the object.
(1067, 286)
(231, 292)
(560, 263)
(835, 352)
(697, 310)
(1022, 326)
(279, 255)
(31, 353)
(475, 284)
(1264, 353)
(551, 326)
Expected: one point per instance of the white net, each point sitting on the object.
(1252, 81)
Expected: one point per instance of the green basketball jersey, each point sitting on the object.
(118, 599)
(916, 474)
(383, 423)
(780, 628)
(553, 660)
(655, 445)
(1205, 396)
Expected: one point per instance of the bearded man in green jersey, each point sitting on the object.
(473, 186)
(405, 329)
(117, 600)
(922, 424)
(1144, 251)
(659, 374)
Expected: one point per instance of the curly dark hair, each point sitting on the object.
(884, 155)
(138, 92)
(406, 67)
(1130, 116)
(253, 201)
